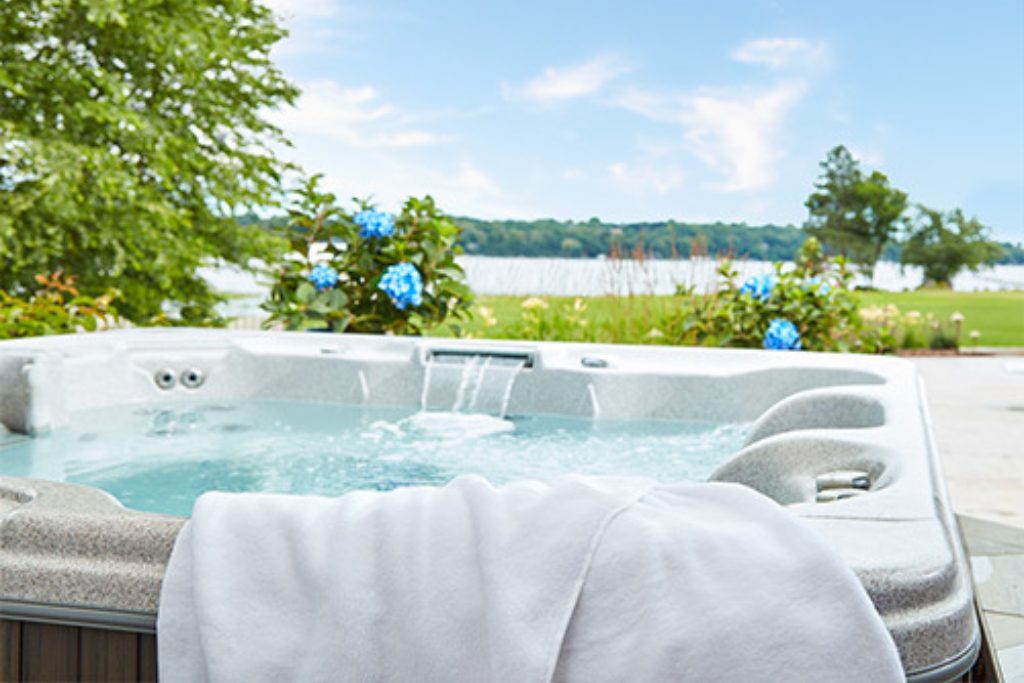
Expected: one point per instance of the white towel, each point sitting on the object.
(586, 580)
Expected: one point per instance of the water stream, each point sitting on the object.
(477, 384)
(466, 397)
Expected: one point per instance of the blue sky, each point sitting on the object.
(646, 111)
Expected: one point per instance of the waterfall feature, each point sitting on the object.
(471, 383)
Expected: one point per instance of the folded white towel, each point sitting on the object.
(586, 580)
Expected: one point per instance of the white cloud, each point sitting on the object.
(734, 131)
(645, 177)
(473, 180)
(558, 84)
(354, 116)
(782, 53)
(460, 187)
(313, 27)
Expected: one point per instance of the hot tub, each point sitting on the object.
(841, 440)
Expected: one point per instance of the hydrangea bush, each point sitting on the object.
(806, 306)
(367, 271)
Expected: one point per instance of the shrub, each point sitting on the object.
(885, 330)
(806, 306)
(368, 271)
(56, 307)
(812, 299)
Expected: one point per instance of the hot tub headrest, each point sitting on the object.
(32, 399)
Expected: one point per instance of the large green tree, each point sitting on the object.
(854, 215)
(945, 244)
(131, 131)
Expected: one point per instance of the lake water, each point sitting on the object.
(596, 277)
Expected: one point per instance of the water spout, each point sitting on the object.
(364, 386)
(595, 407)
(426, 386)
(507, 396)
(469, 376)
(478, 382)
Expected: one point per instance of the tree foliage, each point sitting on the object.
(854, 215)
(56, 307)
(945, 244)
(130, 132)
(662, 239)
(570, 239)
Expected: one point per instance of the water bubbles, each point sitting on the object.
(160, 460)
(456, 426)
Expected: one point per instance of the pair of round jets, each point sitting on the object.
(191, 378)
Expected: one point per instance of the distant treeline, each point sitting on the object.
(666, 239)
(663, 239)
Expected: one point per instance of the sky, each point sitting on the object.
(636, 111)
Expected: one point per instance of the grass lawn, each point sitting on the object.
(998, 316)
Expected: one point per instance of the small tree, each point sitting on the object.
(853, 215)
(130, 131)
(945, 244)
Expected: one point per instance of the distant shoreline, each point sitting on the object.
(550, 276)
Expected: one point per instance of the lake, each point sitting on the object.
(603, 276)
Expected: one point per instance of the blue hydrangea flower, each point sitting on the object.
(374, 224)
(782, 335)
(323, 277)
(403, 285)
(822, 286)
(759, 287)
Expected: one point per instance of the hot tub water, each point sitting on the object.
(160, 458)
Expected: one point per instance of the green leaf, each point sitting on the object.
(305, 293)
(337, 299)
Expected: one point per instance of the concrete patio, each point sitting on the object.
(977, 406)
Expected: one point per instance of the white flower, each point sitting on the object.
(872, 315)
(487, 316)
(534, 302)
(956, 317)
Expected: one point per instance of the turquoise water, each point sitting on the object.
(160, 459)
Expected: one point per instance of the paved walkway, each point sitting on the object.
(997, 562)
(977, 408)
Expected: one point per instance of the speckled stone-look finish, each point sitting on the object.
(74, 545)
(816, 417)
